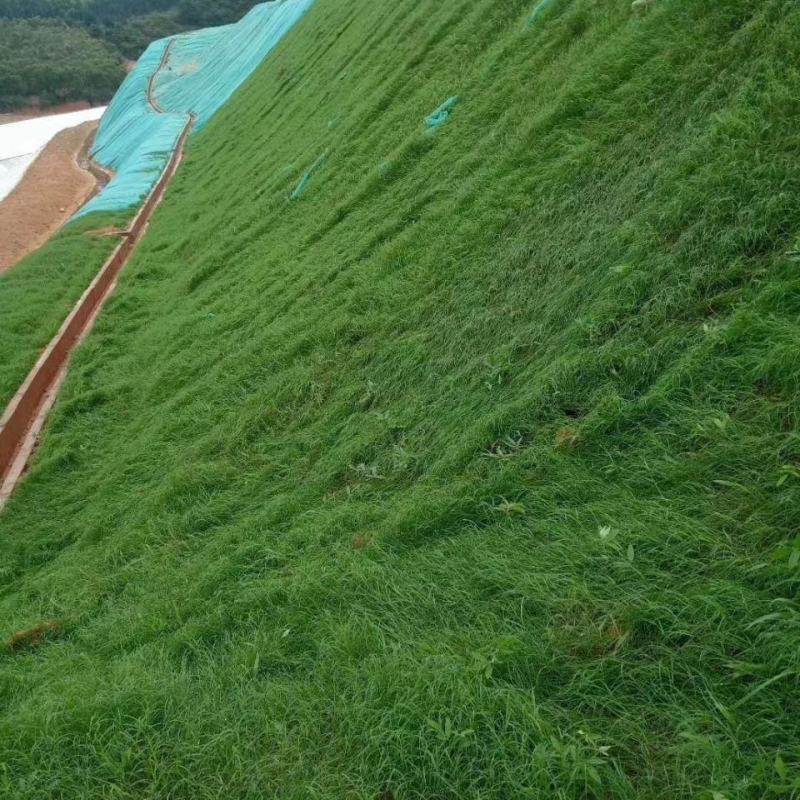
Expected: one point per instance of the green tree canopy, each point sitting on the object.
(50, 62)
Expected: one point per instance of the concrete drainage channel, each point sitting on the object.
(25, 415)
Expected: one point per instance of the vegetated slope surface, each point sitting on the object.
(37, 294)
(474, 471)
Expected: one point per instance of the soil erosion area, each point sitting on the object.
(53, 188)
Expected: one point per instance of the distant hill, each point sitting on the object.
(45, 62)
(54, 51)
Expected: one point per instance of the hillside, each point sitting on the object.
(51, 63)
(55, 51)
(38, 293)
(415, 460)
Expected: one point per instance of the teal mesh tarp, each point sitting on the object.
(206, 67)
(133, 139)
(541, 6)
(437, 118)
(200, 72)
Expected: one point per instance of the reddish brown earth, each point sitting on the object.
(53, 188)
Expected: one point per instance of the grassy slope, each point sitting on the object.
(37, 294)
(473, 473)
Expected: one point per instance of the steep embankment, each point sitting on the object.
(187, 76)
(470, 472)
(38, 293)
(140, 137)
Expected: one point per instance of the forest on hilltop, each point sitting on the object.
(56, 51)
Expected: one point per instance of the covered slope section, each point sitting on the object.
(190, 74)
(206, 67)
(135, 138)
(472, 472)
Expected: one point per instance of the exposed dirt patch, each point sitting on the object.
(34, 636)
(54, 187)
(108, 231)
(567, 437)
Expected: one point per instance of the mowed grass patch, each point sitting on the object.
(472, 471)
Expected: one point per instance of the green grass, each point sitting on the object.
(474, 472)
(38, 293)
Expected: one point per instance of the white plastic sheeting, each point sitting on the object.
(21, 142)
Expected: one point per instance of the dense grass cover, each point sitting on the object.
(474, 471)
(37, 294)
